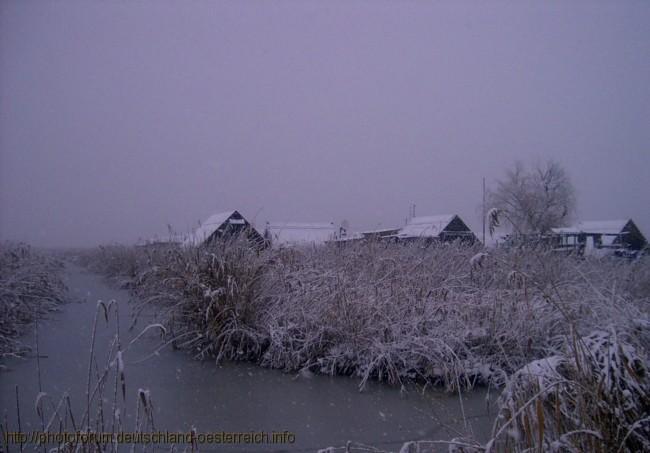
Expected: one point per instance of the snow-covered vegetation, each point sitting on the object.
(567, 337)
(594, 395)
(30, 286)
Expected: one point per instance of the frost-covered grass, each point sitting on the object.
(446, 314)
(30, 286)
(92, 424)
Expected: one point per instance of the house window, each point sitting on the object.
(598, 241)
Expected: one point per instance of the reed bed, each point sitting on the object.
(447, 315)
(104, 413)
(592, 396)
(30, 287)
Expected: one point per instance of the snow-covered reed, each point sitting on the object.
(30, 286)
(594, 395)
(104, 415)
(568, 337)
(383, 311)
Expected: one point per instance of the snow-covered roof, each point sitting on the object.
(426, 226)
(594, 227)
(294, 233)
(207, 228)
(379, 231)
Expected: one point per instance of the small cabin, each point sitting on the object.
(599, 237)
(224, 225)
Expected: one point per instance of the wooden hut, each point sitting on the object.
(224, 225)
(599, 237)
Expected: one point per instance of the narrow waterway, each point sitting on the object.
(234, 397)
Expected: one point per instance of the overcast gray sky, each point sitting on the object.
(119, 117)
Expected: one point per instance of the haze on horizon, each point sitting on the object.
(118, 118)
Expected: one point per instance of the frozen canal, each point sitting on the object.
(321, 411)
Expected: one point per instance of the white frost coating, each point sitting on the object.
(120, 362)
(544, 369)
(641, 323)
(408, 447)
(492, 219)
(145, 396)
(542, 372)
(612, 358)
(478, 259)
(162, 329)
(209, 293)
(37, 403)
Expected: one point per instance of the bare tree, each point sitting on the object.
(532, 200)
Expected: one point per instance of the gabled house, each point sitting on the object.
(224, 225)
(599, 235)
(284, 234)
(437, 228)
